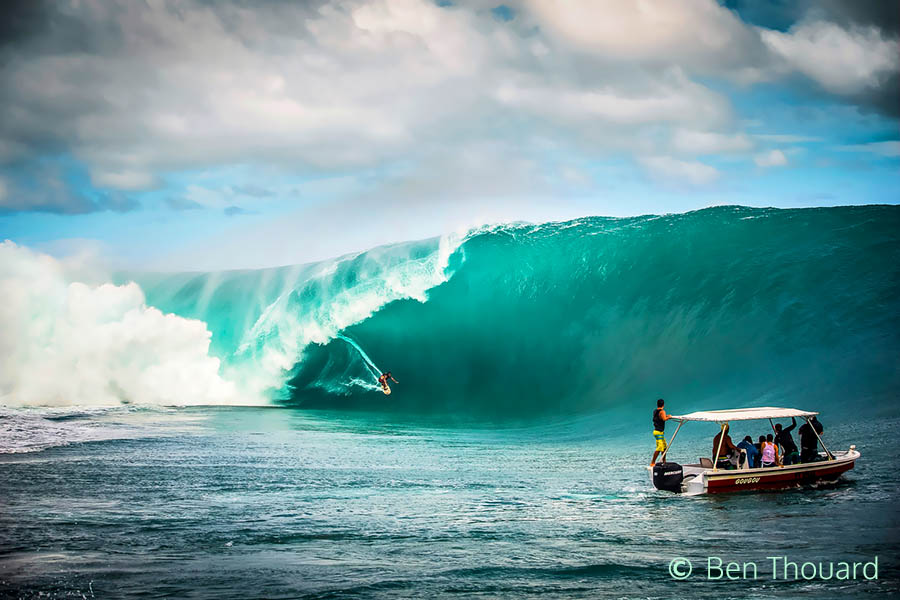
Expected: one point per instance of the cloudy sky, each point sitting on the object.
(206, 135)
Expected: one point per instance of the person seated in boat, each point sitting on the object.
(752, 453)
(809, 442)
(783, 438)
(770, 456)
(760, 446)
(728, 455)
(659, 426)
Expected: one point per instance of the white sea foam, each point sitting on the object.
(29, 429)
(67, 343)
(23, 432)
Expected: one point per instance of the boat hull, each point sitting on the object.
(718, 482)
(698, 480)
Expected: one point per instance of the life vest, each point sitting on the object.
(659, 423)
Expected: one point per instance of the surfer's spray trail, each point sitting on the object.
(373, 368)
(723, 306)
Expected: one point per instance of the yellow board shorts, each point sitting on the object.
(660, 438)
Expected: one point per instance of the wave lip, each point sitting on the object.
(340, 294)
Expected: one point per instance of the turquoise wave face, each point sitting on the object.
(265, 322)
(723, 307)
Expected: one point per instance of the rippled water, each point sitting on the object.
(281, 503)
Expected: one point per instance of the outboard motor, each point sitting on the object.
(668, 476)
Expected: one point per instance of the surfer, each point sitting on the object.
(383, 380)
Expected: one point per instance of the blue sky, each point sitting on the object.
(227, 135)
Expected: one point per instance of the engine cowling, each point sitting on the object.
(668, 476)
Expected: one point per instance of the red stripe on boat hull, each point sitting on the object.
(768, 480)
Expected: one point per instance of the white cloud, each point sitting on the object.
(346, 85)
(772, 158)
(123, 180)
(668, 98)
(334, 88)
(703, 36)
(890, 148)
(710, 142)
(693, 172)
(698, 35)
(786, 138)
(575, 177)
(843, 61)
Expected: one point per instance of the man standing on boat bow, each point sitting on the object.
(659, 425)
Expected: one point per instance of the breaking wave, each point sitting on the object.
(724, 306)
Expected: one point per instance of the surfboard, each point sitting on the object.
(386, 390)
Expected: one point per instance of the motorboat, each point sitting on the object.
(706, 477)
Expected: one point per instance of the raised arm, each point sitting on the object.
(793, 424)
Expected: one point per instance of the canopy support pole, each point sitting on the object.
(671, 439)
(719, 449)
(779, 456)
(827, 451)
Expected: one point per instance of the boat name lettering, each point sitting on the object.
(746, 480)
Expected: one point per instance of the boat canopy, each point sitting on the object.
(744, 414)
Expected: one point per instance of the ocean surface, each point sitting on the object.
(222, 435)
(287, 503)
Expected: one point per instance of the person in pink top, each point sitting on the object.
(769, 452)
